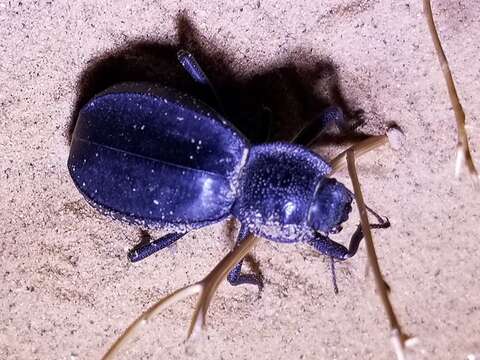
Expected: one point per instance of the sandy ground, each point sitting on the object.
(67, 288)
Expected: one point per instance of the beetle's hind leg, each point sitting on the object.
(146, 247)
(235, 277)
(192, 67)
(330, 116)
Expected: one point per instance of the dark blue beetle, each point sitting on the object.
(156, 157)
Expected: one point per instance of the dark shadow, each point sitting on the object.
(285, 93)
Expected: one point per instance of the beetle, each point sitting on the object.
(153, 156)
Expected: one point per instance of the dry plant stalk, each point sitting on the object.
(464, 157)
(394, 137)
(398, 337)
(206, 288)
(363, 147)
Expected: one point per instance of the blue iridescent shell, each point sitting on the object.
(152, 155)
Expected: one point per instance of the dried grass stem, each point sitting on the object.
(464, 156)
(398, 337)
(205, 287)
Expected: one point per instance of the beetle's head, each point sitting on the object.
(332, 202)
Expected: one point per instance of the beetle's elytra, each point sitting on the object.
(160, 158)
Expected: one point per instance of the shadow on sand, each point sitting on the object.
(286, 89)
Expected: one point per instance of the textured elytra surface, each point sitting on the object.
(156, 156)
(67, 288)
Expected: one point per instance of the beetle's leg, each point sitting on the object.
(145, 249)
(332, 115)
(195, 71)
(327, 246)
(334, 250)
(234, 276)
(358, 234)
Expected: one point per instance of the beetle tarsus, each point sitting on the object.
(145, 249)
(337, 251)
(235, 277)
(358, 234)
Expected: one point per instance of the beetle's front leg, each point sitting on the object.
(358, 234)
(235, 277)
(337, 251)
(334, 250)
(328, 247)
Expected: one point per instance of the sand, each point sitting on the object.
(67, 288)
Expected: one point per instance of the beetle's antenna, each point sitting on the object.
(464, 156)
(206, 288)
(400, 340)
(334, 275)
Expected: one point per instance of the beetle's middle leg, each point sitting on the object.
(327, 246)
(330, 116)
(235, 277)
(145, 249)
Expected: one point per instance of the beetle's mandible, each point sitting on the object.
(154, 156)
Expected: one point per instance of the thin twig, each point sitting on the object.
(394, 137)
(206, 288)
(172, 298)
(213, 279)
(397, 336)
(363, 147)
(464, 157)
